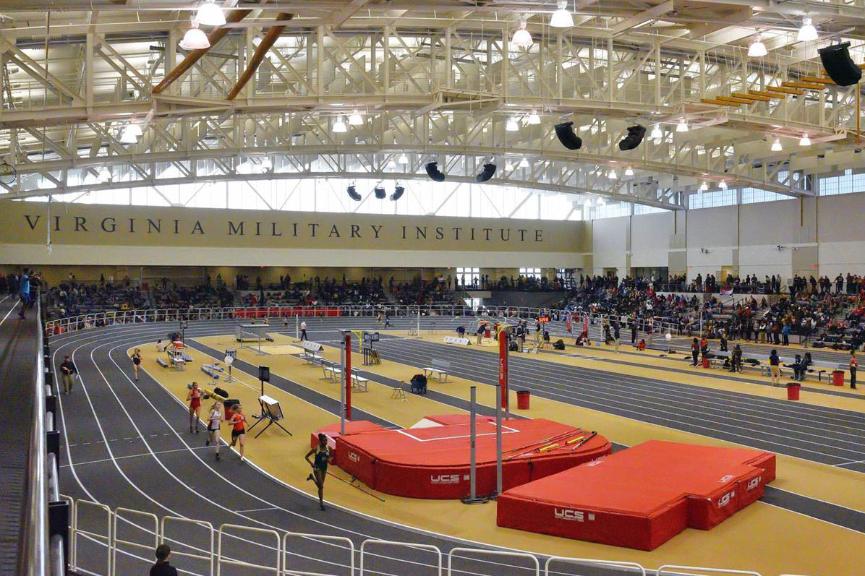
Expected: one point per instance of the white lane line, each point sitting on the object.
(101, 460)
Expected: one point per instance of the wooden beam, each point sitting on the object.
(750, 96)
(719, 102)
(803, 85)
(195, 55)
(817, 80)
(734, 99)
(269, 39)
(784, 90)
(774, 95)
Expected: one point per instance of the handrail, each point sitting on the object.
(35, 555)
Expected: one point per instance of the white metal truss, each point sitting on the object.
(435, 82)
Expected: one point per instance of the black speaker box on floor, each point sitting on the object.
(565, 134)
(839, 65)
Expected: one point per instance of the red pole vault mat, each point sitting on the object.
(432, 459)
(640, 497)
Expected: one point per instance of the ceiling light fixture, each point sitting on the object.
(807, 33)
(703, 187)
(682, 126)
(533, 119)
(612, 174)
(629, 171)
(339, 126)
(209, 14)
(355, 119)
(776, 145)
(512, 125)
(722, 185)
(522, 38)
(657, 133)
(601, 201)
(130, 134)
(195, 39)
(561, 18)
(523, 163)
(103, 176)
(757, 49)
(804, 141)
(403, 159)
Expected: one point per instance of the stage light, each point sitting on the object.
(403, 159)
(131, 133)
(757, 49)
(486, 173)
(807, 33)
(339, 126)
(397, 193)
(682, 126)
(355, 119)
(565, 134)
(523, 163)
(533, 119)
(722, 185)
(512, 125)
(657, 133)
(352, 193)
(434, 173)
(195, 39)
(379, 191)
(629, 171)
(209, 14)
(804, 141)
(522, 38)
(634, 137)
(612, 174)
(776, 145)
(561, 18)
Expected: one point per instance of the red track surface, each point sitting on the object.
(433, 462)
(640, 497)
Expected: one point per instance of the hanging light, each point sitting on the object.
(103, 176)
(131, 133)
(195, 39)
(509, 165)
(629, 171)
(265, 166)
(682, 126)
(657, 134)
(209, 14)
(722, 185)
(804, 141)
(339, 126)
(601, 201)
(561, 18)
(522, 38)
(512, 125)
(757, 49)
(703, 187)
(403, 159)
(533, 119)
(355, 119)
(523, 163)
(807, 33)
(612, 174)
(776, 145)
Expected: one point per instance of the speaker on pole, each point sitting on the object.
(565, 134)
(264, 373)
(839, 65)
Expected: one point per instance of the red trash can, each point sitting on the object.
(838, 377)
(487, 333)
(523, 399)
(706, 362)
(793, 390)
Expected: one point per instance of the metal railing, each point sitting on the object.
(270, 551)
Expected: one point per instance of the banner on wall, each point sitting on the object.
(81, 224)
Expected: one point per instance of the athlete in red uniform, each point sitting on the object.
(238, 428)
(194, 399)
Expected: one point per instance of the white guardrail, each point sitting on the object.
(106, 542)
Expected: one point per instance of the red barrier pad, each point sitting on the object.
(351, 427)
(640, 497)
(433, 461)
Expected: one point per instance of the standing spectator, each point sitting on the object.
(853, 366)
(633, 332)
(69, 371)
(303, 335)
(785, 333)
(695, 351)
(775, 367)
(162, 567)
(736, 359)
(24, 292)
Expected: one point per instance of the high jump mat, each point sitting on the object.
(432, 459)
(640, 497)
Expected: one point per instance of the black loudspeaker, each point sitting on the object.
(634, 137)
(264, 373)
(379, 192)
(352, 193)
(432, 170)
(217, 391)
(397, 193)
(838, 64)
(487, 173)
(565, 134)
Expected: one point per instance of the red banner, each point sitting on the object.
(503, 367)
